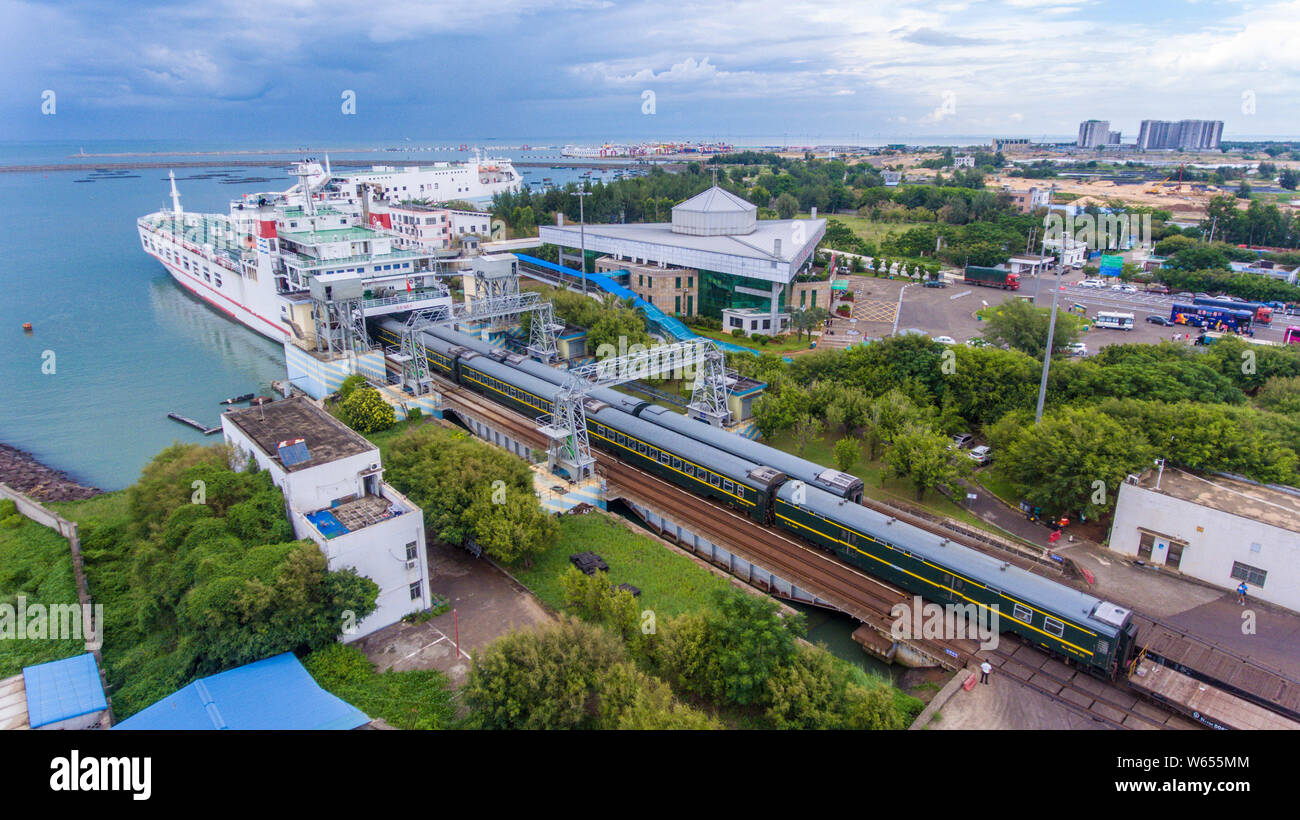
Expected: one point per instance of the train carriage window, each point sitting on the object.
(677, 462)
(663, 456)
(1021, 613)
(729, 487)
(715, 480)
(1054, 626)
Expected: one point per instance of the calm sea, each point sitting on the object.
(124, 343)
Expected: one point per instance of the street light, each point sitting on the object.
(582, 238)
(1047, 354)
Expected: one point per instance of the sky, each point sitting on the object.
(852, 70)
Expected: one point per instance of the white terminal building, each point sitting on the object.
(715, 258)
(1218, 530)
(334, 489)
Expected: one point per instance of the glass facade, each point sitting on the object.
(717, 292)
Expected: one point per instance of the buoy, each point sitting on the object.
(27, 326)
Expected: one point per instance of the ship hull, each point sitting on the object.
(275, 331)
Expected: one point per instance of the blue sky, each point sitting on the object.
(276, 69)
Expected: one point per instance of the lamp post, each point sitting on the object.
(1047, 354)
(582, 238)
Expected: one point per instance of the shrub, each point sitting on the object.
(365, 411)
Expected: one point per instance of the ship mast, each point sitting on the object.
(176, 195)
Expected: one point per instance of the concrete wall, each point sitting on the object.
(1213, 541)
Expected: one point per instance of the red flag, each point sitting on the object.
(408, 285)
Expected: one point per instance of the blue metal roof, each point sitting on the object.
(272, 694)
(64, 689)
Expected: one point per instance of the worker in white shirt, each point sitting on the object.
(985, 669)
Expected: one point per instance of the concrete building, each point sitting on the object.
(1219, 530)
(424, 227)
(333, 486)
(1093, 133)
(891, 178)
(1114, 138)
(1010, 144)
(1030, 264)
(964, 161)
(1184, 135)
(715, 254)
(1030, 200)
(1071, 252)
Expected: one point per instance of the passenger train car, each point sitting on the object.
(1096, 635)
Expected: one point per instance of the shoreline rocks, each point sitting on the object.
(22, 472)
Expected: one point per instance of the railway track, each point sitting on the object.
(1110, 704)
(860, 595)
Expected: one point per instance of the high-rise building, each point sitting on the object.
(1184, 135)
(1093, 133)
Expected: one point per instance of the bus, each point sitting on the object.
(1210, 318)
(1117, 321)
(1291, 336)
(1212, 336)
(1263, 313)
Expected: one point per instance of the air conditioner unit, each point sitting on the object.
(413, 564)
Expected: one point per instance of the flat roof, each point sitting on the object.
(1228, 495)
(327, 438)
(63, 689)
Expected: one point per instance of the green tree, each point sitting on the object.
(1289, 179)
(805, 430)
(1073, 461)
(365, 411)
(350, 384)
(922, 456)
(1018, 324)
(816, 691)
(847, 453)
(787, 206)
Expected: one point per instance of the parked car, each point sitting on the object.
(934, 283)
(1092, 284)
(981, 455)
(1128, 288)
(1077, 349)
(1157, 319)
(963, 440)
(945, 340)
(1158, 288)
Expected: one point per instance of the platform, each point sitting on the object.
(559, 496)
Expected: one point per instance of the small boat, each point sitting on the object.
(202, 428)
(237, 399)
(260, 400)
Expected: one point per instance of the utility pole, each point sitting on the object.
(582, 237)
(1047, 354)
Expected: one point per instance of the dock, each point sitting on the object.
(202, 428)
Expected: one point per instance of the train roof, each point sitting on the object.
(1083, 609)
(554, 375)
(737, 469)
(833, 481)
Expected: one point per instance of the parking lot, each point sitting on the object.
(950, 311)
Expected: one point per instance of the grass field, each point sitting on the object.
(670, 583)
(785, 344)
(35, 563)
(866, 229)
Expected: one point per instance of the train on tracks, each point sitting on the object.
(818, 506)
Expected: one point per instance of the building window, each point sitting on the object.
(677, 307)
(1251, 575)
(677, 283)
(412, 552)
(416, 592)
(690, 281)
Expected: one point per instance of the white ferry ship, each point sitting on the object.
(261, 262)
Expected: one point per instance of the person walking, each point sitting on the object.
(985, 669)
(1242, 589)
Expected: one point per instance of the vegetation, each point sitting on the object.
(1019, 325)
(198, 572)
(414, 699)
(36, 564)
(365, 411)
